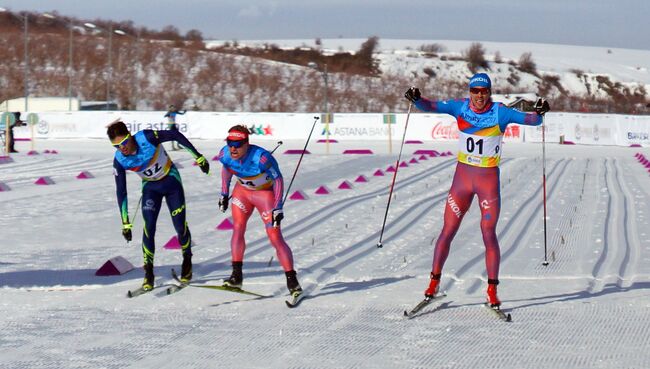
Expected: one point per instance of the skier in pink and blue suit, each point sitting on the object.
(259, 186)
(481, 125)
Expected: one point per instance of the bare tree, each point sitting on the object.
(475, 56)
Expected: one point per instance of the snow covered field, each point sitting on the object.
(588, 309)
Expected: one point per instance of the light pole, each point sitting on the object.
(26, 62)
(109, 71)
(70, 28)
(323, 71)
(134, 80)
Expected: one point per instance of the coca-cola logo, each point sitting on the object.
(444, 131)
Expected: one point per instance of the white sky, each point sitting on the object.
(573, 22)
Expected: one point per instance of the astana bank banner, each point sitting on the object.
(592, 129)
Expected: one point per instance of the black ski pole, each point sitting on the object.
(299, 160)
(279, 144)
(392, 185)
(545, 263)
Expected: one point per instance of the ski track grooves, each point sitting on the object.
(616, 237)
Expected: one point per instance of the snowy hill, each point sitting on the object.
(582, 70)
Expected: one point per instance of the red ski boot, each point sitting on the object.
(434, 284)
(492, 298)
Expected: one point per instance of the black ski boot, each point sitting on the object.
(236, 278)
(147, 284)
(186, 269)
(292, 282)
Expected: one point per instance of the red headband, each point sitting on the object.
(237, 136)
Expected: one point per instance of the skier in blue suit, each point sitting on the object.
(144, 154)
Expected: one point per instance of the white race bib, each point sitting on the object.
(158, 167)
(479, 151)
(262, 181)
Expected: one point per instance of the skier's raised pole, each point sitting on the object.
(545, 263)
(299, 160)
(392, 185)
(279, 144)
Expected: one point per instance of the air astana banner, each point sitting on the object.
(591, 129)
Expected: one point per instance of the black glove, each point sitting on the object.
(277, 217)
(223, 203)
(541, 106)
(412, 94)
(126, 231)
(203, 164)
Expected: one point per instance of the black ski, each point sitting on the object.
(427, 300)
(295, 299)
(181, 285)
(137, 292)
(175, 288)
(506, 317)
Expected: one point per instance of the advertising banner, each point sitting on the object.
(590, 129)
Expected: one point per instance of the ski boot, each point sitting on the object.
(292, 283)
(186, 268)
(492, 298)
(434, 285)
(147, 284)
(236, 278)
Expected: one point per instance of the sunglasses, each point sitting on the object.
(483, 91)
(122, 143)
(236, 144)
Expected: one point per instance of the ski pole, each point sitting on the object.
(392, 185)
(545, 263)
(137, 207)
(299, 160)
(279, 144)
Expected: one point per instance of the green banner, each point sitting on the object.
(32, 119)
(7, 119)
(390, 119)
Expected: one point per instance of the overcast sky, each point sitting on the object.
(609, 23)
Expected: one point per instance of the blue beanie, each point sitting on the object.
(481, 80)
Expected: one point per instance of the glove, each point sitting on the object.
(203, 164)
(126, 231)
(223, 203)
(277, 217)
(412, 94)
(541, 106)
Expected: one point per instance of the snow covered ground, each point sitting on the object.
(588, 309)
